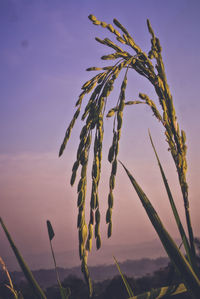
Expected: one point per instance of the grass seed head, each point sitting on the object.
(93, 201)
(93, 69)
(84, 157)
(110, 200)
(111, 153)
(109, 229)
(90, 231)
(96, 230)
(110, 28)
(97, 22)
(114, 167)
(98, 242)
(112, 182)
(119, 120)
(73, 178)
(92, 18)
(89, 245)
(80, 219)
(117, 33)
(104, 24)
(119, 25)
(81, 184)
(111, 112)
(109, 215)
(97, 216)
(81, 250)
(91, 217)
(84, 171)
(121, 40)
(81, 198)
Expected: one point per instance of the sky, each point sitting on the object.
(45, 48)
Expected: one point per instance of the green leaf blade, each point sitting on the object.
(172, 203)
(127, 286)
(161, 292)
(27, 272)
(183, 267)
(176, 215)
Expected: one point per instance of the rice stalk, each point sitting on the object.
(10, 286)
(162, 292)
(113, 152)
(151, 67)
(64, 293)
(183, 267)
(27, 272)
(176, 215)
(127, 286)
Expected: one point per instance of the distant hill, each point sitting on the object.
(132, 268)
(70, 258)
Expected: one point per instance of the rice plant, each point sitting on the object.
(64, 293)
(151, 67)
(10, 286)
(99, 87)
(39, 293)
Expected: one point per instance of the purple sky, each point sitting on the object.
(45, 47)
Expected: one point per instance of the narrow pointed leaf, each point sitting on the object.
(27, 272)
(66, 293)
(191, 281)
(185, 241)
(161, 292)
(128, 288)
(173, 206)
(63, 293)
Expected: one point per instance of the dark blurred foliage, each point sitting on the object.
(108, 289)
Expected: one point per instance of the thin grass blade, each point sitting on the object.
(27, 272)
(173, 206)
(185, 270)
(63, 292)
(185, 241)
(128, 288)
(15, 294)
(161, 292)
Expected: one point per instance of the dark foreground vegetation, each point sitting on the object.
(132, 268)
(110, 288)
